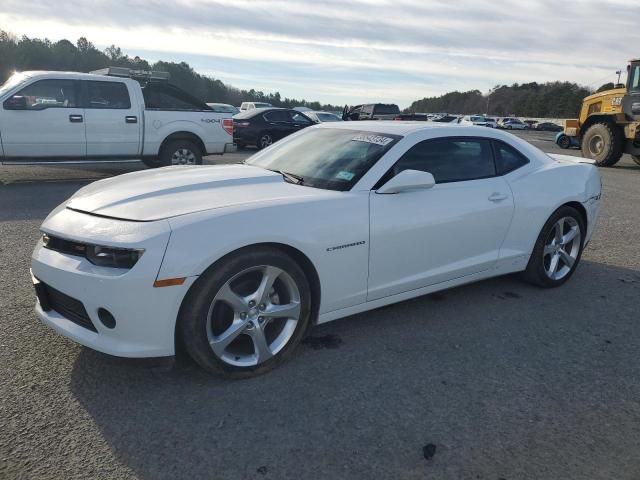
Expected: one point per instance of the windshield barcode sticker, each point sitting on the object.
(375, 139)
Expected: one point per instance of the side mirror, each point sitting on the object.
(408, 180)
(17, 102)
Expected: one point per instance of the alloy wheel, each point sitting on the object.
(183, 156)
(253, 316)
(562, 248)
(266, 140)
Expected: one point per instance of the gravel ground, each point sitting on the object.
(494, 380)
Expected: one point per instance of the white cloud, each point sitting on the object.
(366, 50)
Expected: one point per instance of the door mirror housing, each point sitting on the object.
(17, 102)
(408, 180)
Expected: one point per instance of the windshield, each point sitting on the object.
(328, 117)
(261, 105)
(329, 158)
(11, 82)
(634, 78)
(477, 119)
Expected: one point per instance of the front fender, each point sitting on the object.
(198, 240)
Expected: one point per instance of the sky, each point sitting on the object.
(355, 51)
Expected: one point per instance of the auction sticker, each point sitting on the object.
(375, 139)
(342, 175)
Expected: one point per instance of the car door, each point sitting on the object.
(112, 120)
(43, 121)
(454, 229)
(279, 123)
(299, 121)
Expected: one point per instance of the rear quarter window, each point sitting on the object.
(507, 158)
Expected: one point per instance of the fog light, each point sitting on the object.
(107, 319)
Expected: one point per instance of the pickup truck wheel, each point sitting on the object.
(181, 152)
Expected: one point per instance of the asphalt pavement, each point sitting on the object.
(494, 380)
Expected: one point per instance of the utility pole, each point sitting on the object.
(491, 90)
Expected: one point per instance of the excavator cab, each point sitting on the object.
(631, 101)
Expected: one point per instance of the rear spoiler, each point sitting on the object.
(570, 158)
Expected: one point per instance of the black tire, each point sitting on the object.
(182, 148)
(564, 142)
(535, 271)
(264, 140)
(636, 158)
(610, 151)
(194, 313)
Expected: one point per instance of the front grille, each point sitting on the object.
(68, 307)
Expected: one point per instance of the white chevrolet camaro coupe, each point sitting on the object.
(237, 262)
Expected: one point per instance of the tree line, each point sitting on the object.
(550, 100)
(553, 99)
(42, 54)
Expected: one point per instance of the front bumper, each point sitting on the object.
(145, 316)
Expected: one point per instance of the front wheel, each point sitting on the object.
(564, 142)
(603, 143)
(246, 314)
(557, 250)
(636, 158)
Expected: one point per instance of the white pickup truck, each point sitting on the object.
(57, 117)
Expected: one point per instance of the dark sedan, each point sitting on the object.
(549, 127)
(263, 126)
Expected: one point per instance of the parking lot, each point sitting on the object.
(505, 380)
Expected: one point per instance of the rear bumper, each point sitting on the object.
(230, 148)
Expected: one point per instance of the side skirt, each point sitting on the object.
(503, 267)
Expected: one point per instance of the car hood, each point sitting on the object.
(171, 191)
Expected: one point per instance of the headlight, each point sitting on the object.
(113, 257)
(98, 255)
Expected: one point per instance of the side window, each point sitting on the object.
(277, 116)
(50, 94)
(298, 118)
(113, 95)
(450, 159)
(508, 158)
(168, 98)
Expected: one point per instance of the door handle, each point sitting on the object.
(131, 119)
(498, 197)
(75, 118)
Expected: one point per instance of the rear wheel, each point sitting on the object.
(636, 158)
(246, 315)
(558, 249)
(603, 143)
(181, 152)
(264, 140)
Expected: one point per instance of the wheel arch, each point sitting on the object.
(183, 135)
(581, 210)
(298, 256)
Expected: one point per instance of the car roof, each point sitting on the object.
(388, 126)
(73, 75)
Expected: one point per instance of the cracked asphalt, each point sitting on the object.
(494, 380)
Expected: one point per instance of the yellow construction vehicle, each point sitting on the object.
(609, 123)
